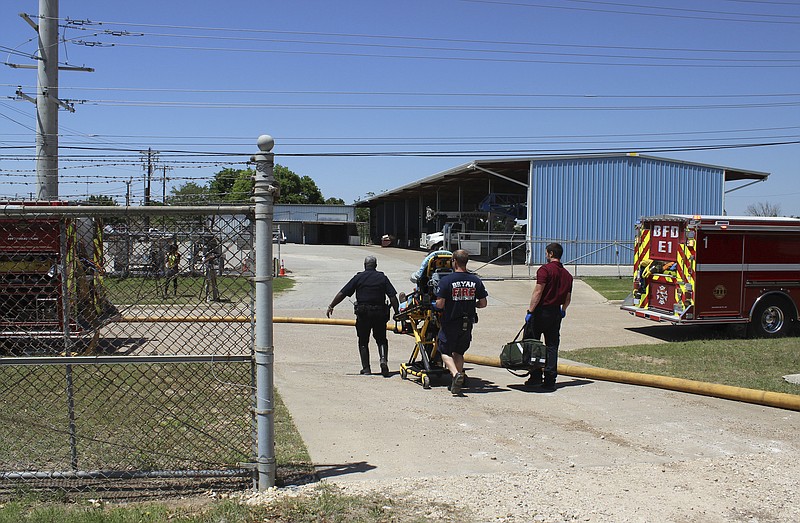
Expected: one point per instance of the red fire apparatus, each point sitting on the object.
(51, 277)
(718, 270)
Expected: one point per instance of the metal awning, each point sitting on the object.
(515, 172)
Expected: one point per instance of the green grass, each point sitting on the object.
(133, 416)
(719, 356)
(610, 287)
(750, 363)
(324, 503)
(140, 290)
(293, 461)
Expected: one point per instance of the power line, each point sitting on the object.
(681, 9)
(417, 48)
(405, 39)
(762, 2)
(12, 51)
(81, 24)
(782, 19)
(435, 153)
(375, 107)
(248, 139)
(714, 62)
(440, 141)
(592, 96)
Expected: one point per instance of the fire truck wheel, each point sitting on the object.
(771, 318)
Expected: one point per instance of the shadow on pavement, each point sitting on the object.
(123, 346)
(329, 471)
(475, 385)
(559, 385)
(671, 333)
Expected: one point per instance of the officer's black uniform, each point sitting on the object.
(371, 288)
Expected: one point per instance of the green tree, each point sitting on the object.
(295, 188)
(242, 187)
(221, 186)
(101, 200)
(334, 201)
(190, 193)
(236, 186)
(362, 213)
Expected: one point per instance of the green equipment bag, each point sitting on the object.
(523, 354)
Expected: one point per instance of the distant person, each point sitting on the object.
(459, 294)
(549, 301)
(172, 264)
(210, 260)
(371, 288)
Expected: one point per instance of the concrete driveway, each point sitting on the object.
(370, 429)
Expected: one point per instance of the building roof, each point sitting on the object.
(516, 170)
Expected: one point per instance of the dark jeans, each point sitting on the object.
(171, 275)
(372, 322)
(547, 321)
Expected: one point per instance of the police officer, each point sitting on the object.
(371, 288)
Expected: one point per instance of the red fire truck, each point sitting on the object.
(718, 270)
(51, 277)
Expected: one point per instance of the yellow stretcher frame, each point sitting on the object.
(422, 321)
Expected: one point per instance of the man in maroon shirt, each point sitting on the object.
(549, 302)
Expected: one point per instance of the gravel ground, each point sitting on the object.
(755, 488)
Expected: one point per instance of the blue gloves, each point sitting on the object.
(563, 313)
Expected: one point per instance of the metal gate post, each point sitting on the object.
(265, 192)
(66, 313)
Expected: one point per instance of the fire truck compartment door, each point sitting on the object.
(719, 278)
(662, 295)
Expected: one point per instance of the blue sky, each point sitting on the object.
(461, 78)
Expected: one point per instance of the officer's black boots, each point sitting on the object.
(383, 353)
(363, 351)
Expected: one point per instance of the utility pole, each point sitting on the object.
(46, 106)
(164, 186)
(46, 100)
(128, 193)
(149, 176)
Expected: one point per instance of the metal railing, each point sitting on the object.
(517, 257)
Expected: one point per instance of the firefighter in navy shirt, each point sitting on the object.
(371, 288)
(458, 295)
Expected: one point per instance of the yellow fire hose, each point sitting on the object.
(758, 397)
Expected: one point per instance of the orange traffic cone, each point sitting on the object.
(283, 270)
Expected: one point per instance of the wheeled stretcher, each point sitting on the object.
(418, 318)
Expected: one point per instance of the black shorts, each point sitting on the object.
(454, 340)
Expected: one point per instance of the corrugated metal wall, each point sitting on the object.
(285, 212)
(314, 224)
(587, 204)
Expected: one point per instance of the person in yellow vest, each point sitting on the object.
(172, 262)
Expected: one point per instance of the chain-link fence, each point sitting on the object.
(127, 343)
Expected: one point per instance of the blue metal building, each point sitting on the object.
(589, 203)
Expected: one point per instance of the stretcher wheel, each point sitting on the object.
(426, 382)
(403, 373)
